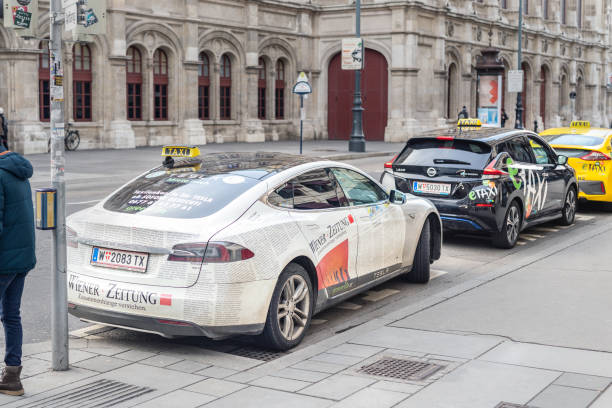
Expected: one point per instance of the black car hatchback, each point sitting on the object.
(486, 180)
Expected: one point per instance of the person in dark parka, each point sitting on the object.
(17, 258)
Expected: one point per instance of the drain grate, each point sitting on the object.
(98, 394)
(401, 369)
(256, 353)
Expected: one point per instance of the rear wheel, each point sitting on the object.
(422, 258)
(507, 237)
(290, 309)
(72, 140)
(568, 214)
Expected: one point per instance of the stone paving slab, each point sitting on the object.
(216, 372)
(102, 364)
(552, 358)
(301, 375)
(557, 396)
(255, 397)
(337, 386)
(587, 382)
(427, 342)
(215, 387)
(281, 384)
(604, 400)
(178, 398)
(480, 384)
(371, 397)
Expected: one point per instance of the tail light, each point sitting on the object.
(389, 164)
(211, 252)
(595, 156)
(493, 172)
(71, 238)
(445, 138)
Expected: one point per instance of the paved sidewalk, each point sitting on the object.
(533, 331)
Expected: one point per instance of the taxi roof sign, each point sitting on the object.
(469, 123)
(580, 124)
(180, 151)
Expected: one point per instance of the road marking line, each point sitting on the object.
(546, 229)
(85, 330)
(436, 273)
(535, 236)
(349, 306)
(376, 295)
(521, 243)
(527, 237)
(584, 217)
(316, 322)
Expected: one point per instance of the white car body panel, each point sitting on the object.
(349, 247)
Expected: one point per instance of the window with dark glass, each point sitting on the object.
(314, 190)
(540, 152)
(359, 189)
(279, 90)
(261, 90)
(44, 101)
(579, 14)
(204, 87)
(82, 82)
(225, 88)
(563, 12)
(160, 85)
(517, 149)
(134, 84)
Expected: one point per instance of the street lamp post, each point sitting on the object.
(357, 142)
(519, 100)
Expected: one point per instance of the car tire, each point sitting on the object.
(511, 228)
(568, 213)
(422, 257)
(280, 332)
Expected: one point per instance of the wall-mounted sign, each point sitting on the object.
(21, 15)
(352, 54)
(515, 80)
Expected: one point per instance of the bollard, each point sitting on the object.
(46, 208)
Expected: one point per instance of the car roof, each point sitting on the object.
(256, 165)
(489, 135)
(600, 132)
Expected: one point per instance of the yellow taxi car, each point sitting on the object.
(589, 153)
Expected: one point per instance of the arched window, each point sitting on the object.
(81, 89)
(545, 9)
(44, 102)
(204, 87)
(261, 90)
(225, 86)
(134, 84)
(160, 85)
(279, 90)
(579, 14)
(563, 12)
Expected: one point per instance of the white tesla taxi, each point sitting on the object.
(242, 243)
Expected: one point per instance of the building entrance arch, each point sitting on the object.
(374, 88)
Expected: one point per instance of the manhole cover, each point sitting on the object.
(256, 353)
(401, 369)
(98, 394)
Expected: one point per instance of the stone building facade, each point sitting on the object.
(214, 71)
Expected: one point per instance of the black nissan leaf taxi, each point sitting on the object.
(486, 180)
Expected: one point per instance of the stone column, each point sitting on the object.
(253, 129)
(191, 128)
(20, 75)
(120, 134)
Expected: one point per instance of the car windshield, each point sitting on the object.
(575, 140)
(179, 193)
(445, 153)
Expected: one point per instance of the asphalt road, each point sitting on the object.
(92, 175)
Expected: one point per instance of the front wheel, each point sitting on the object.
(507, 237)
(568, 214)
(420, 272)
(290, 309)
(73, 140)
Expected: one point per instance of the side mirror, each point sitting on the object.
(397, 197)
(562, 160)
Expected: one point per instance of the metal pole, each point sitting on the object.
(301, 121)
(357, 142)
(59, 314)
(519, 102)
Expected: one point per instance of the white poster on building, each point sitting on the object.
(515, 80)
(352, 54)
(489, 99)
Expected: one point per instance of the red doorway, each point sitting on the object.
(341, 86)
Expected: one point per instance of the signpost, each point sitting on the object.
(302, 87)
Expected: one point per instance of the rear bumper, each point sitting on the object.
(161, 326)
(595, 190)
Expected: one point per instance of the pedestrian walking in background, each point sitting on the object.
(18, 257)
(504, 118)
(4, 130)
(464, 113)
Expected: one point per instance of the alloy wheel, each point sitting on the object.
(570, 205)
(293, 307)
(512, 224)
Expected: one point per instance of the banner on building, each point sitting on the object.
(21, 15)
(489, 99)
(352, 54)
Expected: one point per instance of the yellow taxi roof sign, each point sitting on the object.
(580, 124)
(469, 123)
(180, 151)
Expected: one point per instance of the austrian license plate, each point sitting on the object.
(116, 259)
(431, 188)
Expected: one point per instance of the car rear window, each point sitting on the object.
(445, 153)
(179, 193)
(576, 140)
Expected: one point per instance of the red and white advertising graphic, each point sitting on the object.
(165, 300)
(333, 268)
